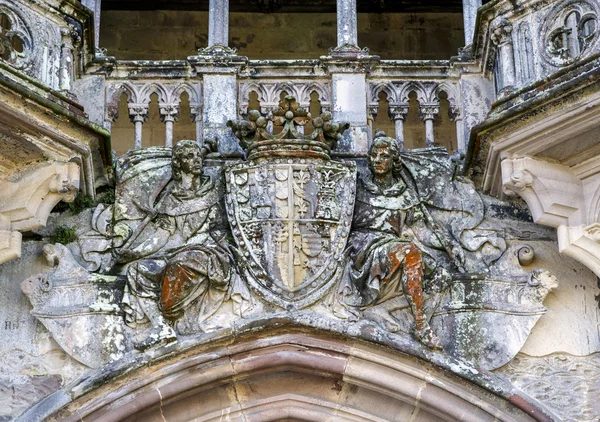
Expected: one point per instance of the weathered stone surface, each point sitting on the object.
(218, 245)
(80, 309)
(567, 384)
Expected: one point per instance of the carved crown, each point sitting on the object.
(256, 139)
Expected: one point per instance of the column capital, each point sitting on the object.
(398, 111)
(196, 112)
(111, 113)
(169, 112)
(374, 109)
(428, 111)
(138, 112)
(501, 32)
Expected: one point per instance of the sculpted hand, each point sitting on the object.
(459, 256)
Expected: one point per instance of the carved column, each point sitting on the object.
(373, 112)
(501, 35)
(196, 115)
(138, 113)
(67, 58)
(169, 113)
(470, 8)
(347, 31)
(457, 117)
(427, 112)
(111, 115)
(218, 23)
(397, 113)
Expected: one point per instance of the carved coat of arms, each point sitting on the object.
(290, 208)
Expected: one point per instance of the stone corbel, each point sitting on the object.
(555, 197)
(25, 203)
(552, 191)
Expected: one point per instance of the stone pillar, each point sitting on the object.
(94, 6)
(427, 112)
(470, 8)
(373, 112)
(196, 115)
(347, 32)
(169, 113)
(350, 105)
(347, 28)
(138, 113)
(66, 71)
(397, 113)
(501, 35)
(218, 66)
(457, 118)
(220, 105)
(460, 134)
(218, 23)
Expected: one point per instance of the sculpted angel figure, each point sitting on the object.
(392, 234)
(179, 255)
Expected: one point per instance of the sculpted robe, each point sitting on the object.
(388, 258)
(193, 265)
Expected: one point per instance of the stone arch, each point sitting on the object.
(282, 371)
(288, 87)
(145, 91)
(113, 96)
(386, 87)
(452, 93)
(192, 90)
(415, 87)
(244, 95)
(321, 89)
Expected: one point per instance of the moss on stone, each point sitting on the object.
(65, 235)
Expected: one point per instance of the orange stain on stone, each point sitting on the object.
(174, 281)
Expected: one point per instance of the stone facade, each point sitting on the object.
(238, 236)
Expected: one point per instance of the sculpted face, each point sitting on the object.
(190, 160)
(381, 160)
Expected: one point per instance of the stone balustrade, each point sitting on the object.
(261, 85)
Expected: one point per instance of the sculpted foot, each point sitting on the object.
(158, 336)
(426, 336)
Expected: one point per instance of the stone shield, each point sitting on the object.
(291, 220)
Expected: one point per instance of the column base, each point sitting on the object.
(349, 51)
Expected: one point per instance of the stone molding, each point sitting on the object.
(25, 203)
(261, 355)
